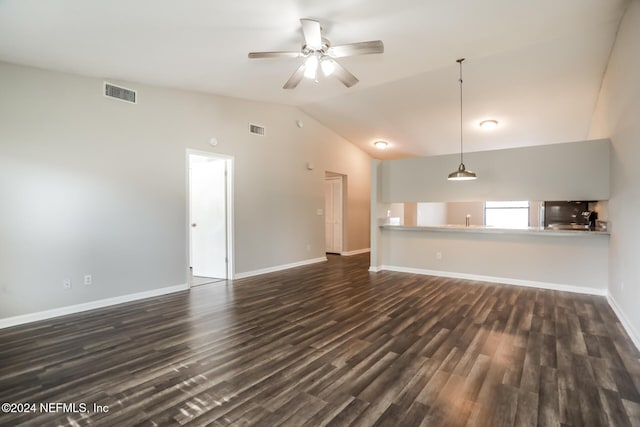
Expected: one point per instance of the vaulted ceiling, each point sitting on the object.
(534, 66)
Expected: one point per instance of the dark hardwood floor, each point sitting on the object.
(330, 344)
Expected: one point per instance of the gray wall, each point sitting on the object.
(579, 262)
(90, 185)
(569, 171)
(378, 212)
(617, 116)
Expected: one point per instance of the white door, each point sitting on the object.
(208, 216)
(333, 214)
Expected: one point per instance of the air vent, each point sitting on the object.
(120, 93)
(256, 130)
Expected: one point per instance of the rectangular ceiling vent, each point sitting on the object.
(256, 130)
(120, 93)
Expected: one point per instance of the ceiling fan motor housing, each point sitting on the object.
(323, 51)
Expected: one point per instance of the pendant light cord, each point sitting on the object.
(459, 61)
(462, 174)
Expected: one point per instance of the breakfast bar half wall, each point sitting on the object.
(563, 260)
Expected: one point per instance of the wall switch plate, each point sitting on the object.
(66, 283)
(438, 255)
(88, 279)
(319, 212)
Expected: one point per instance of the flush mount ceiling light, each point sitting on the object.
(489, 124)
(381, 145)
(462, 174)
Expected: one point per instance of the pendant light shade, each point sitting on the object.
(462, 174)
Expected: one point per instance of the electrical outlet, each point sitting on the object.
(88, 279)
(308, 247)
(438, 255)
(622, 286)
(66, 283)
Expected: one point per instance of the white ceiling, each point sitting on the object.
(535, 66)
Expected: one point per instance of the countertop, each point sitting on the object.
(539, 231)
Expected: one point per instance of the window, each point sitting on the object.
(506, 214)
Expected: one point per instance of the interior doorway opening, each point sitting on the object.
(209, 216)
(334, 195)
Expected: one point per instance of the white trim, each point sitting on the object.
(230, 200)
(92, 305)
(333, 176)
(356, 252)
(501, 280)
(278, 268)
(626, 324)
(373, 269)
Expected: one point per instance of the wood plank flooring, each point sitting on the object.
(330, 345)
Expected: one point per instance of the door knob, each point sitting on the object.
(194, 225)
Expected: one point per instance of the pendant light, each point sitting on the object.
(462, 174)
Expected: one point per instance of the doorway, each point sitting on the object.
(209, 191)
(333, 208)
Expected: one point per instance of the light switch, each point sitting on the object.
(319, 212)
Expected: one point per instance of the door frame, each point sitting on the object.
(343, 201)
(229, 160)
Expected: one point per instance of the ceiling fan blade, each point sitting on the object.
(352, 49)
(280, 54)
(312, 35)
(295, 78)
(344, 76)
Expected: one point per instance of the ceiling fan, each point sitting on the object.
(320, 54)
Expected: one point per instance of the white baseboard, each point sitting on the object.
(278, 268)
(493, 279)
(77, 308)
(626, 324)
(356, 252)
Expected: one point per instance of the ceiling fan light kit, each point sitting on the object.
(311, 67)
(319, 53)
(328, 66)
(462, 174)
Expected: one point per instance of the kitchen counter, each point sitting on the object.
(568, 260)
(538, 231)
